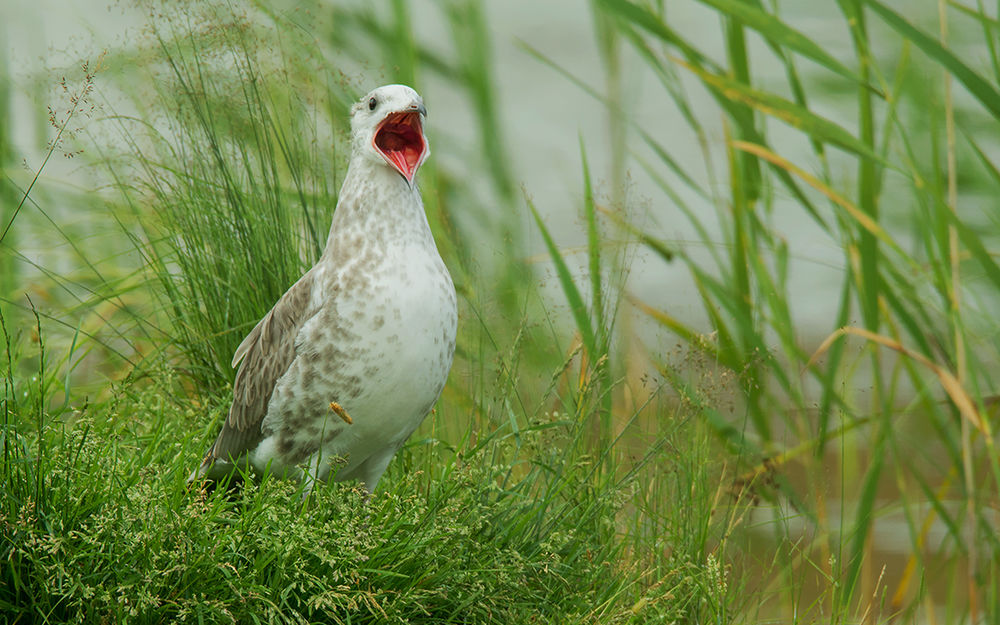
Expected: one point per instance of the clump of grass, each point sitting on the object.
(231, 189)
(98, 524)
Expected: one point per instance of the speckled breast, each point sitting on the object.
(381, 347)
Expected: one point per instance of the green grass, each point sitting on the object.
(917, 299)
(572, 472)
(506, 526)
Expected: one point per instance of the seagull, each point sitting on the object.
(355, 354)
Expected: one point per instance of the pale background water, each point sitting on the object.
(542, 112)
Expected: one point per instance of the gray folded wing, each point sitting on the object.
(263, 357)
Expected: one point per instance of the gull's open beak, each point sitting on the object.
(399, 138)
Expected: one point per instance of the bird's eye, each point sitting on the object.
(372, 104)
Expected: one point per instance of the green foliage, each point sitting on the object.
(752, 478)
(226, 181)
(923, 286)
(97, 524)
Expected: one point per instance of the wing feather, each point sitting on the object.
(263, 357)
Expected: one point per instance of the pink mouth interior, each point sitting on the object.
(399, 139)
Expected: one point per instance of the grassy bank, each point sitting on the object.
(767, 467)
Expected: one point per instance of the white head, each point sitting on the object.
(387, 127)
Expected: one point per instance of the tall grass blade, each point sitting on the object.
(576, 304)
(974, 243)
(808, 122)
(863, 219)
(691, 336)
(661, 153)
(779, 33)
(951, 385)
(655, 25)
(980, 88)
(593, 252)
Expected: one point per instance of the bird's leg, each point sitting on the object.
(371, 470)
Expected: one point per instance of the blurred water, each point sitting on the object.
(543, 113)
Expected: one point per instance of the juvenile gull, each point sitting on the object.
(354, 355)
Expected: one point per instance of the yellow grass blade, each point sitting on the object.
(949, 382)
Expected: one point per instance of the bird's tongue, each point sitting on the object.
(400, 141)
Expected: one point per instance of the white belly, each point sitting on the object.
(380, 350)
